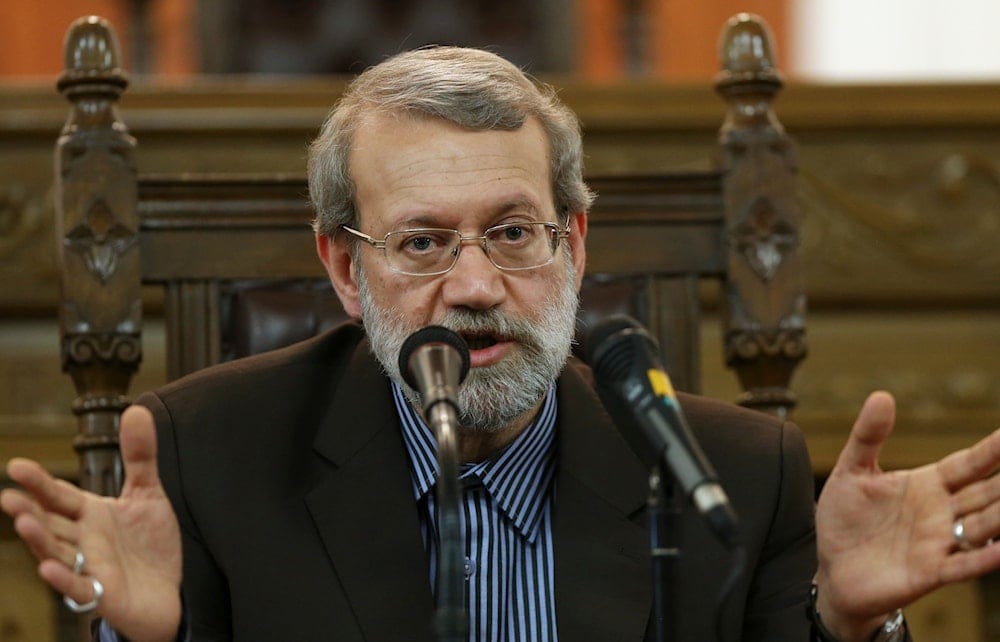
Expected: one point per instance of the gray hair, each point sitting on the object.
(468, 87)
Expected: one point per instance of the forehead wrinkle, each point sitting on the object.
(412, 174)
(410, 202)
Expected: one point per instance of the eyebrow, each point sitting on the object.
(516, 204)
(431, 221)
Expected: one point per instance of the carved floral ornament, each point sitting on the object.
(763, 237)
(107, 347)
(750, 345)
(101, 240)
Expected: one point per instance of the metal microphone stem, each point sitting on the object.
(664, 510)
(450, 621)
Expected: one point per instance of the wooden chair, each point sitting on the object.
(218, 244)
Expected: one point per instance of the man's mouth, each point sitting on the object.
(480, 340)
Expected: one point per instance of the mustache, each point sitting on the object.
(492, 322)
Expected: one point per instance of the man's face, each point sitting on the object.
(429, 173)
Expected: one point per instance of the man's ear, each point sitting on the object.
(577, 224)
(335, 253)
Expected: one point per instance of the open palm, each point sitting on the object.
(131, 543)
(886, 539)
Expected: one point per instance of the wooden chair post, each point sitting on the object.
(97, 238)
(764, 302)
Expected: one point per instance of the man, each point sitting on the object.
(448, 189)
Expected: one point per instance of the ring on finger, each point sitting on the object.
(78, 562)
(958, 534)
(76, 607)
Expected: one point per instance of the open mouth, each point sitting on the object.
(479, 340)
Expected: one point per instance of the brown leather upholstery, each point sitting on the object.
(266, 316)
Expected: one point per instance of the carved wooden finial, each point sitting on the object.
(764, 311)
(97, 227)
(91, 55)
(746, 52)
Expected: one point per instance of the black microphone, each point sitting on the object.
(636, 390)
(434, 361)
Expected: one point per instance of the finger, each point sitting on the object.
(965, 466)
(966, 565)
(138, 448)
(869, 434)
(981, 526)
(977, 496)
(65, 529)
(16, 503)
(62, 498)
(78, 587)
(40, 541)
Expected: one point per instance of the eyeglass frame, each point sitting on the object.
(560, 233)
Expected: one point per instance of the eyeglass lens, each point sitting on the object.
(517, 246)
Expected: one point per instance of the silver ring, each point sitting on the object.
(89, 606)
(78, 562)
(958, 533)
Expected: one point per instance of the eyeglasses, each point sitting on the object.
(431, 251)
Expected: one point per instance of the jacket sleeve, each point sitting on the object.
(780, 581)
(204, 589)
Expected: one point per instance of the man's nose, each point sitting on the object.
(474, 282)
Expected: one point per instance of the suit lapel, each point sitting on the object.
(602, 574)
(364, 508)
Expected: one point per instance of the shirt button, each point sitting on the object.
(470, 567)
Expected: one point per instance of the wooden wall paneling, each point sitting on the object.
(193, 327)
(678, 326)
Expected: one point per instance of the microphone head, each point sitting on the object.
(607, 346)
(432, 335)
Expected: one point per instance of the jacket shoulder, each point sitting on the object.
(328, 351)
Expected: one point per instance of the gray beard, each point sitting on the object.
(491, 397)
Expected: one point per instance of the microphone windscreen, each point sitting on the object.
(427, 336)
(607, 346)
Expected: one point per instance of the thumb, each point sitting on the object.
(870, 432)
(138, 448)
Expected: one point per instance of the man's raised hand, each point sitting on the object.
(130, 544)
(886, 539)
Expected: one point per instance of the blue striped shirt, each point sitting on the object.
(506, 520)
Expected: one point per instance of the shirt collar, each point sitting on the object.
(518, 478)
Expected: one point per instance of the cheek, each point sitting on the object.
(415, 302)
(536, 295)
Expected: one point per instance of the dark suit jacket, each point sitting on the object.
(292, 487)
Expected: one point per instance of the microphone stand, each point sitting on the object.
(664, 512)
(435, 360)
(450, 621)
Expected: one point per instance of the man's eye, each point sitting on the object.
(515, 233)
(419, 244)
